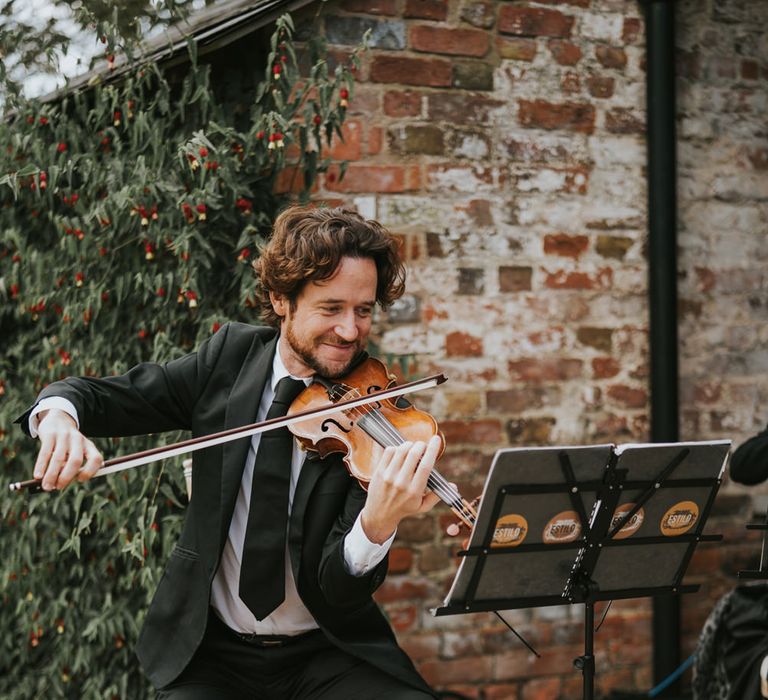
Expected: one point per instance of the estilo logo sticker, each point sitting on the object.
(510, 531)
(680, 518)
(632, 526)
(563, 527)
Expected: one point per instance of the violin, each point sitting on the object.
(356, 415)
(361, 433)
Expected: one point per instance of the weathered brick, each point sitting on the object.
(349, 146)
(421, 646)
(472, 75)
(416, 529)
(622, 120)
(402, 588)
(402, 617)
(518, 400)
(374, 178)
(454, 42)
(706, 278)
(515, 278)
(534, 21)
(434, 558)
(574, 3)
(600, 86)
(480, 212)
(571, 116)
(570, 83)
(541, 689)
(363, 102)
(426, 139)
(565, 245)
(371, 7)
(516, 49)
(400, 560)
(375, 139)
(471, 280)
(459, 464)
(749, 70)
(530, 431)
(611, 57)
(605, 367)
(502, 691)
(426, 9)
(460, 108)
(462, 403)
(627, 396)
(468, 669)
(479, 14)
(598, 338)
(403, 103)
(602, 279)
(545, 369)
(291, 180)
(631, 29)
(615, 247)
(460, 344)
(566, 53)
(432, 72)
(484, 431)
(758, 157)
(688, 64)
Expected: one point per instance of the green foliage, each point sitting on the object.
(129, 217)
(29, 44)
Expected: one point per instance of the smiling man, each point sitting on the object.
(268, 592)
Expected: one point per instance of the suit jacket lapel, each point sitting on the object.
(242, 407)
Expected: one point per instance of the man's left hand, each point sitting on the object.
(399, 487)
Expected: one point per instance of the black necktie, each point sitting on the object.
(262, 571)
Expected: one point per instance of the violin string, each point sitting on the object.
(444, 489)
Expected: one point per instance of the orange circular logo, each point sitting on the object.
(564, 527)
(680, 518)
(632, 526)
(510, 531)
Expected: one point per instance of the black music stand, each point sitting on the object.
(535, 545)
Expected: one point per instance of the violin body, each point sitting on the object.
(361, 434)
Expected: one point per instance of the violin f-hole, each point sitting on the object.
(325, 427)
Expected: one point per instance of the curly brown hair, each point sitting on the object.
(308, 243)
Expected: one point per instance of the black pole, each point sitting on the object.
(662, 283)
(589, 651)
(586, 662)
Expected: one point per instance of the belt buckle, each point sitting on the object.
(270, 642)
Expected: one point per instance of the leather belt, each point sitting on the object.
(264, 640)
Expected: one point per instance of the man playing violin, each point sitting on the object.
(283, 609)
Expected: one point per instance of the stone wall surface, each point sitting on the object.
(504, 142)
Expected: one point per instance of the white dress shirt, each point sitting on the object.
(291, 616)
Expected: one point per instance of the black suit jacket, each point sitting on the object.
(216, 388)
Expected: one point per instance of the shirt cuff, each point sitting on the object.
(360, 554)
(45, 405)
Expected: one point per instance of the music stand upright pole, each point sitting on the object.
(586, 663)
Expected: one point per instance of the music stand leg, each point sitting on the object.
(586, 663)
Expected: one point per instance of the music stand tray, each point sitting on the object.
(580, 524)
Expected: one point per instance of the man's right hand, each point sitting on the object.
(65, 453)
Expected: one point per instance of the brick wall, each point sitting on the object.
(723, 185)
(504, 142)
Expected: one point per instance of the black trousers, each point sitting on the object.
(226, 667)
